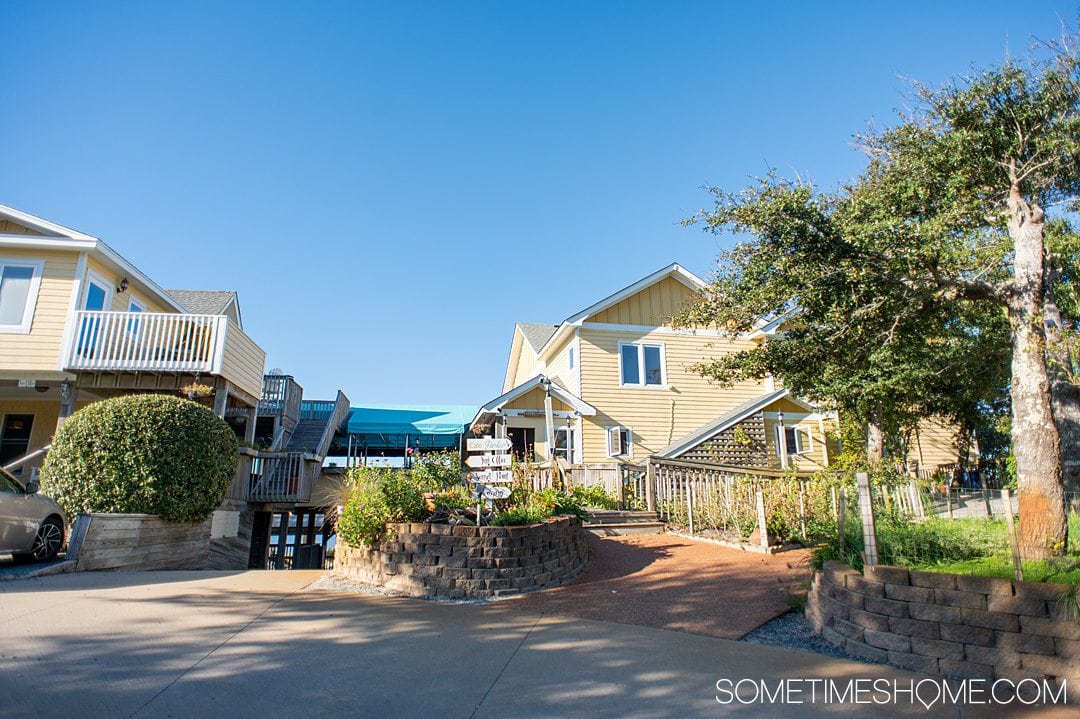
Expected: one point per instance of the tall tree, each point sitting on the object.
(947, 223)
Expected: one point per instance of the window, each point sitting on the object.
(564, 443)
(133, 324)
(797, 439)
(570, 357)
(620, 442)
(641, 365)
(19, 282)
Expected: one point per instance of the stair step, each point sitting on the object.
(618, 530)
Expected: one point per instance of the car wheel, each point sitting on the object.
(49, 539)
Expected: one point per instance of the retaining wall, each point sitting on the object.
(948, 624)
(138, 542)
(438, 560)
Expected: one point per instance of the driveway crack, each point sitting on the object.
(512, 655)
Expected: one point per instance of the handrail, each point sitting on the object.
(26, 458)
(282, 477)
(146, 341)
(728, 469)
(333, 422)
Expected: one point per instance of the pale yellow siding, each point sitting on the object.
(534, 400)
(121, 301)
(558, 366)
(243, 361)
(30, 355)
(937, 444)
(653, 306)
(657, 416)
(7, 227)
(811, 460)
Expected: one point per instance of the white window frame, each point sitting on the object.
(609, 432)
(96, 279)
(37, 268)
(571, 444)
(802, 447)
(136, 302)
(640, 384)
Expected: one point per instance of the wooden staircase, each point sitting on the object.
(614, 523)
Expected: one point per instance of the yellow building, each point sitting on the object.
(79, 322)
(622, 388)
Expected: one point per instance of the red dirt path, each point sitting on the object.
(664, 581)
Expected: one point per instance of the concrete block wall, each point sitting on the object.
(438, 560)
(948, 624)
(138, 542)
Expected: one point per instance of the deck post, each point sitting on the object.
(249, 428)
(68, 395)
(650, 485)
(221, 400)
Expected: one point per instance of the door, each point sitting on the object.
(523, 442)
(15, 436)
(97, 294)
(16, 528)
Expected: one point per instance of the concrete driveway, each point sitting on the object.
(258, 644)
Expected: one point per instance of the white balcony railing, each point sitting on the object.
(147, 341)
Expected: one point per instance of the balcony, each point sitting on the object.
(275, 477)
(164, 343)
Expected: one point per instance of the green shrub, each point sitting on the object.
(142, 454)
(555, 501)
(520, 515)
(379, 495)
(437, 471)
(594, 496)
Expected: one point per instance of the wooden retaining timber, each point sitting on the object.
(138, 542)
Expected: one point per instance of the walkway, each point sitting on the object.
(667, 582)
(256, 644)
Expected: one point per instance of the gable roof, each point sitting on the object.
(557, 391)
(724, 421)
(60, 237)
(674, 270)
(536, 335)
(204, 302)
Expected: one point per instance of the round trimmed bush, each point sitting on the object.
(142, 454)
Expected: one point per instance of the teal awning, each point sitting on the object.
(413, 420)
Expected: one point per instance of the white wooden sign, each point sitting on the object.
(494, 476)
(488, 444)
(488, 460)
(486, 491)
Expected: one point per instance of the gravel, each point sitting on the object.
(10, 570)
(792, 631)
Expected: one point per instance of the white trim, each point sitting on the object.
(37, 268)
(529, 413)
(560, 393)
(801, 449)
(653, 329)
(673, 270)
(73, 307)
(641, 365)
(629, 444)
(577, 353)
(766, 328)
(40, 224)
(93, 278)
(688, 442)
(795, 416)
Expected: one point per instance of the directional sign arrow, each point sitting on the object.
(488, 444)
(484, 491)
(488, 460)
(494, 476)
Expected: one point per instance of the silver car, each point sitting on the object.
(31, 524)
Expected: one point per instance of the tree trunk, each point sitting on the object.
(1036, 443)
(1064, 400)
(875, 434)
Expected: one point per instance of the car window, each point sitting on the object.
(7, 484)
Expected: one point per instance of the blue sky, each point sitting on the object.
(391, 186)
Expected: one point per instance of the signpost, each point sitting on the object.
(485, 482)
(488, 460)
(494, 476)
(488, 444)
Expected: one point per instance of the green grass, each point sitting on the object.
(978, 547)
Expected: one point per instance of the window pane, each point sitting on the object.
(792, 442)
(570, 354)
(653, 375)
(631, 374)
(95, 298)
(14, 290)
(624, 441)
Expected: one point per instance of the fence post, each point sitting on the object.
(1018, 567)
(948, 497)
(916, 500)
(866, 513)
(986, 501)
(841, 516)
(690, 505)
(650, 485)
(835, 513)
(763, 529)
(802, 512)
